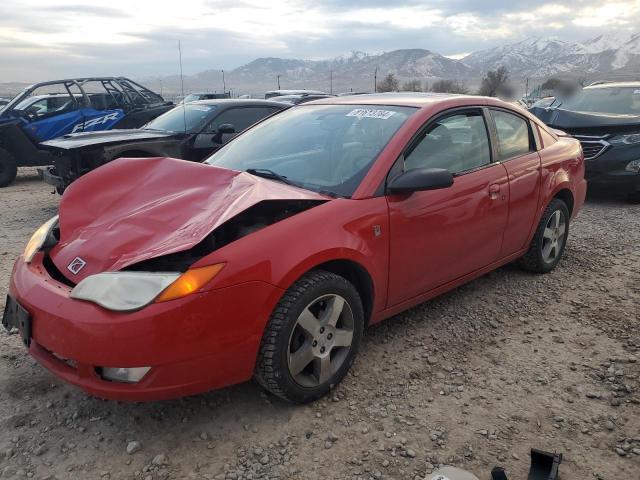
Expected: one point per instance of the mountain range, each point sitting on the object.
(611, 56)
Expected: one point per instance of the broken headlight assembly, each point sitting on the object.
(128, 291)
(39, 238)
(626, 139)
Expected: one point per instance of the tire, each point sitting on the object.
(311, 323)
(541, 258)
(8, 168)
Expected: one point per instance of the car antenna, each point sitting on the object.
(184, 107)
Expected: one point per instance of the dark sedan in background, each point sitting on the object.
(191, 132)
(605, 118)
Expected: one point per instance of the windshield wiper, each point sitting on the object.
(270, 174)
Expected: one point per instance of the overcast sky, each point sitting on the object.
(45, 39)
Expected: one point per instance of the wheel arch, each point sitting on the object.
(349, 268)
(566, 196)
(359, 277)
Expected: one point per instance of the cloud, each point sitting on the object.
(39, 41)
(86, 10)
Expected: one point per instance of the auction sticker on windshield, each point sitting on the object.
(370, 113)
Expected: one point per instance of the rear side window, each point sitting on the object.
(513, 135)
(457, 142)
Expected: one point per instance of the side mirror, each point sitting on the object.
(420, 179)
(222, 129)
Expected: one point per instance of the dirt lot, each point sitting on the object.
(475, 379)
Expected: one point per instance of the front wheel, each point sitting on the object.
(8, 168)
(549, 240)
(312, 338)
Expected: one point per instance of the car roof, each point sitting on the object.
(229, 102)
(614, 85)
(400, 99)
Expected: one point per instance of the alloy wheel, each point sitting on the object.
(554, 236)
(320, 340)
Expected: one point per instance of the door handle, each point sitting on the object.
(494, 191)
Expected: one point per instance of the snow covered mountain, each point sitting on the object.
(605, 57)
(355, 71)
(615, 53)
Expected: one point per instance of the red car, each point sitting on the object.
(163, 278)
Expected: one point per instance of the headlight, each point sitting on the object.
(127, 291)
(630, 139)
(38, 239)
(633, 166)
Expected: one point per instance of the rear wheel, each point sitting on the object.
(312, 338)
(8, 168)
(549, 240)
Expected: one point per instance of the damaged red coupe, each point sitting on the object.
(162, 278)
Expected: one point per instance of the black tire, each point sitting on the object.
(8, 168)
(534, 260)
(272, 367)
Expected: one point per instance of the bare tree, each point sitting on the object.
(495, 83)
(449, 86)
(550, 83)
(389, 84)
(412, 86)
(562, 88)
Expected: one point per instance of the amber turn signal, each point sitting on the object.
(190, 281)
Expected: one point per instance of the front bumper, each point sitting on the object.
(607, 171)
(201, 342)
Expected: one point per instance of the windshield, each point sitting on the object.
(325, 148)
(194, 116)
(617, 100)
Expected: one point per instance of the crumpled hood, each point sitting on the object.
(131, 210)
(568, 120)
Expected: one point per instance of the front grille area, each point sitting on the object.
(54, 273)
(593, 146)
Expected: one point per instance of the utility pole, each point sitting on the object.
(278, 82)
(526, 91)
(331, 82)
(375, 80)
(224, 85)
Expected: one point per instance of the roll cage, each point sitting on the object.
(122, 91)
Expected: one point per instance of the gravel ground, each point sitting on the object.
(474, 378)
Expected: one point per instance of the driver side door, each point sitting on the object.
(437, 236)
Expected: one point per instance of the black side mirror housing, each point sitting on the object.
(420, 179)
(222, 129)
